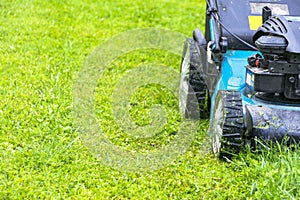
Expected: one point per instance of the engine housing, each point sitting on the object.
(275, 72)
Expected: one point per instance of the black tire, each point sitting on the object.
(192, 89)
(227, 126)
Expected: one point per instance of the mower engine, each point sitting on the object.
(275, 73)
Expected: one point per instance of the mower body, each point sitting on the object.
(249, 60)
(267, 120)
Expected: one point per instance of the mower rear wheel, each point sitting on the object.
(227, 126)
(192, 88)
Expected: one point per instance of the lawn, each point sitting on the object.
(45, 45)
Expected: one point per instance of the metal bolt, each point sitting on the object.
(292, 79)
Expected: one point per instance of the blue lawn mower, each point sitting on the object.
(244, 73)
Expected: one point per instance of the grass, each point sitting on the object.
(44, 44)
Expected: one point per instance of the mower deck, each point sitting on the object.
(272, 124)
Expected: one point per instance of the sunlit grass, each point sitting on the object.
(44, 44)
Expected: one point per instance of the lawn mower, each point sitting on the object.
(244, 72)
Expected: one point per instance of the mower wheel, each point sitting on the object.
(192, 88)
(227, 126)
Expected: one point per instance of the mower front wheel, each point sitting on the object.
(193, 95)
(227, 126)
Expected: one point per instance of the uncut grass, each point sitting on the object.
(43, 46)
(141, 101)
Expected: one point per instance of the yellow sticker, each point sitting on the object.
(254, 22)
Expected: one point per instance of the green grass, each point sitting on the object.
(44, 44)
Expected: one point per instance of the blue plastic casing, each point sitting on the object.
(233, 77)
